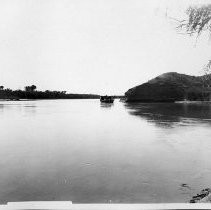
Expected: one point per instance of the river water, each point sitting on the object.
(87, 152)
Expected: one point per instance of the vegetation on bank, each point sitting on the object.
(31, 92)
(197, 21)
(170, 87)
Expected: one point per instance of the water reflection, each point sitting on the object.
(171, 114)
(1, 108)
(83, 151)
(27, 108)
(30, 109)
(106, 105)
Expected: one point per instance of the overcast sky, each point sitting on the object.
(94, 46)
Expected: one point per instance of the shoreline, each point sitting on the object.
(40, 99)
(193, 102)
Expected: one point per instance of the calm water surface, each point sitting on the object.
(83, 151)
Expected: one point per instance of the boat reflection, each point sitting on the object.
(106, 105)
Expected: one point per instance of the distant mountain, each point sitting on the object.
(170, 87)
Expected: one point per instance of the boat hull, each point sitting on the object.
(106, 99)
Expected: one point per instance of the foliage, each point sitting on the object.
(207, 76)
(199, 20)
(30, 93)
(170, 87)
(30, 88)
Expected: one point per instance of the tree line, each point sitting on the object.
(31, 92)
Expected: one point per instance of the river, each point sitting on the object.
(87, 152)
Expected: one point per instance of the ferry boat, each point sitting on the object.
(106, 99)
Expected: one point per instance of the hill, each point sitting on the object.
(170, 87)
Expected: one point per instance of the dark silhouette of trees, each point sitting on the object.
(30, 92)
(33, 87)
(1, 87)
(30, 88)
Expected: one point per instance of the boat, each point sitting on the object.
(106, 99)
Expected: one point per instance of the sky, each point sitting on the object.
(95, 46)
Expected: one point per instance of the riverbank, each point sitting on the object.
(15, 95)
(193, 102)
(170, 87)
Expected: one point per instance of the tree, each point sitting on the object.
(33, 87)
(1, 87)
(207, 75)
(30, 88)
(198, 21)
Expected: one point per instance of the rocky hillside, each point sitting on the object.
(170, 87)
